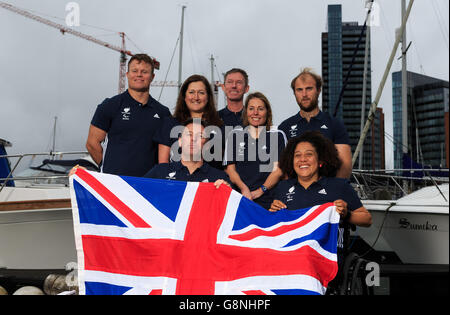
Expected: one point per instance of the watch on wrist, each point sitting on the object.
(264, 189)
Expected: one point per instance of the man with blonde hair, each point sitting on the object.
(307, 87)
(120, 138)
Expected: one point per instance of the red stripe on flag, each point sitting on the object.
(254, 292)
(146, 257)
(201, 266)
(156, 292)
(249, 235)
(112, 199)
(170, 258)
(244, 262)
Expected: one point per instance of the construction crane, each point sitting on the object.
(63, 29)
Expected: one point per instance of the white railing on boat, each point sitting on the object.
(400, 182)
(20, 157)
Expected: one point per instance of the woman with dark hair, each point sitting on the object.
(195, 100)
(252, 154)
(310, 162)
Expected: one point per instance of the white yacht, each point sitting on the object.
(414, 227)
(36, 227)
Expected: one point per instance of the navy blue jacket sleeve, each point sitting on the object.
(340, 135)
(229, 156)
(162, 136)
(281, 143)
(157, 171)
(103, 115)
(350, 196)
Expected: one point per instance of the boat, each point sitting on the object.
(36, 227)
(414, 228)
(36, 230)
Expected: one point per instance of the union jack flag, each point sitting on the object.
(148, 236)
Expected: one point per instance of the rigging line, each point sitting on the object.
(168, 69)
(194, 64)
(399, 143)
(419, 145)
(389, 136)
(63, 19)
(219, 76)
(355, 52)
(190, 41)
(387, 35)
(410, 31)
(446, 4)
(441, 27)
(441, 17)
(131, 41)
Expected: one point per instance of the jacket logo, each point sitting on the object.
(126, 113)
(290, 194)
(171, 175)
(241, 148)
(293, 130)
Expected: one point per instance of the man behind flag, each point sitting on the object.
(147, 236)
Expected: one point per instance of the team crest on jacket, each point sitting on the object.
(126, 113)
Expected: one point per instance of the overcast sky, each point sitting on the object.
(44, 74)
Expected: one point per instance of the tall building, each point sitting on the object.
(339, 44)
(428, 134)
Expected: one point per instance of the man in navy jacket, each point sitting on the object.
(121, 134)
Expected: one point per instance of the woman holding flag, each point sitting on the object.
(310, 163)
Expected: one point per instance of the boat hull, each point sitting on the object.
(37, 239)
(416, 237)
(36, 228)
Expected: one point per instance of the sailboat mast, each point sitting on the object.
(213, 81)
(364, 92)
(54, 138)
(180, 64)
(374, 105)
(212, 69)
(404, 87)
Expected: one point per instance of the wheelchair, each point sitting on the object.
(352, 273)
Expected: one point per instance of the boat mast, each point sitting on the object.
(212, 70)
(404, 87)
(54, 138)
(404, 96)
(213, 82)
(374, 105)
(180, 64)
(364, 92)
